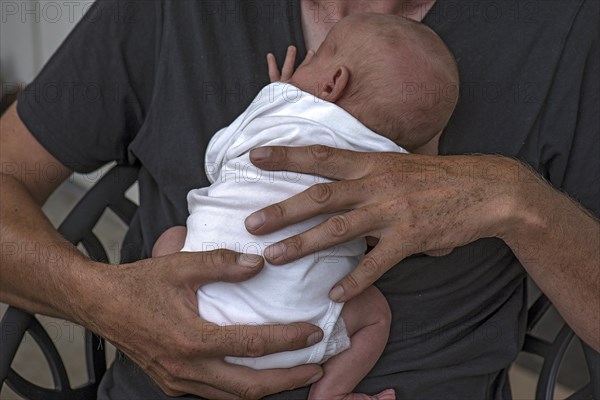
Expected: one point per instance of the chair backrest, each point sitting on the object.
(553, 352)
(109, 192)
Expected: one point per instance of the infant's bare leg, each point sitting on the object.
(367, 318)
(171, 241)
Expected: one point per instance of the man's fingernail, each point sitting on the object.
(314, 378)
(249, 260)
(336, 293)
(255, 221)
(275, 251)
(262, 153)
(314, 338)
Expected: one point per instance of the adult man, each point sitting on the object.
(527, 71)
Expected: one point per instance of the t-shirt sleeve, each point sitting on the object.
(90, 99)
(573, 154)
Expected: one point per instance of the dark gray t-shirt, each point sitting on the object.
(149, 82)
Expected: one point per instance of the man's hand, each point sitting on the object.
(149, 311)
(407, 203)
(411, 203)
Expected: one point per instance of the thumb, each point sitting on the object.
(199, 268)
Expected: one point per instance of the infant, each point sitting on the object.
(373, 73)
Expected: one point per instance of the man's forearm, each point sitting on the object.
(558, 243)
(40, 272)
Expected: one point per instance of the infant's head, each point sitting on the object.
(393, 74)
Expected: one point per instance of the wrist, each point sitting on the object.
(522, 215)
(88, 291)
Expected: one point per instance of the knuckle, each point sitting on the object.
(255, 347)
(252, 392)
(293, 248)
(320, 193)
(320, 152)
(187, 346)
(224, 257)
(371, 268)
(174, 370)
(278, 210)
(338, 226)
(281, 153)
(166, 373)
(170, 389)
(351, 281)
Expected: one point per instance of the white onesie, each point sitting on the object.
(281, 115)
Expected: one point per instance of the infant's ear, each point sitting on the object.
(336, 86)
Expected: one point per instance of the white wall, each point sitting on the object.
(30, 32)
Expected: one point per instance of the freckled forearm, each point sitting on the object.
(558, 243)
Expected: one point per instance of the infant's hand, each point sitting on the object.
(288, 66)
(170, 241)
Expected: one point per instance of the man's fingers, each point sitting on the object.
(439, 252)
(279, 380)
(273, 70)
(230, 381)
(199, 389)
(335, 230)
(182, 387)
(319, 160)
(319, 199)
(253, 340)
(198, 268)
(247, 383)
(373, 265)
(288, 64)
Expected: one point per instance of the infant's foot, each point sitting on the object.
(388, 394)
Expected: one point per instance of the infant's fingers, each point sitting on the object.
(252, 340)
(373, 265)
(309, 55)
(273, 70)
(288, 65)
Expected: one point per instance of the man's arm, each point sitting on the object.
(558, 243)
(26, 232)
(411, 204)
(147, 309)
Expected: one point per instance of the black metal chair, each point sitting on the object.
(553, 352)
(109, 193)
